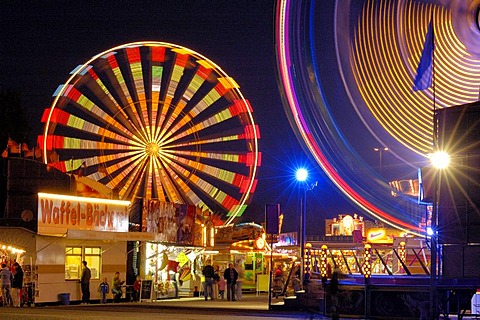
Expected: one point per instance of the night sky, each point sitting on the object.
(42, 41)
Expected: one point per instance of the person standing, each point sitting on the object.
(104, 288)
(17, 284)
(7, 277)
(85, 283)
(137, 286)
(221, 288)
(231, 276)
(209, 274)
(216, 278)
(239, 284)
(333, 290)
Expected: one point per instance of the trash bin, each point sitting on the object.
(64, 298)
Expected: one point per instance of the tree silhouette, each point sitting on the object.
(13, 120)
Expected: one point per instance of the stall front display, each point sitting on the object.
(181, 232)
(11, 252)
(245, 246)
(171, 268)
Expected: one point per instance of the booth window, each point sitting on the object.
(73, 261)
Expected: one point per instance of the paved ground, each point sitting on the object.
(250, 307)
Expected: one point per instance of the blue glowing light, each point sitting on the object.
(301, 174)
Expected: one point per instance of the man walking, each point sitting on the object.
(85, 283)
(208, 273)
(231, 275)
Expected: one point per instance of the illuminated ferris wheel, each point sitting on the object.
(158, 121)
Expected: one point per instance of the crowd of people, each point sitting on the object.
(216, 283)
(104, 287)
(12, 284)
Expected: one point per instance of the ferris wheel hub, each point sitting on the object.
(152, 149)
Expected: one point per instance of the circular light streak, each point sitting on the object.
(384, 53)
(156, 120)
(378, 45)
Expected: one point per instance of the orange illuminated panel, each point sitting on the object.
(58, 213)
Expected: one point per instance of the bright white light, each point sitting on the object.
(429, 231)
(302, 174)
(440, 159)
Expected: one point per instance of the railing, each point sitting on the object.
(384, 260)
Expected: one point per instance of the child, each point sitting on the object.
(221, 288)
(136, 289)
(104, 288)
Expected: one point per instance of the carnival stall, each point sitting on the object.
(173, 260)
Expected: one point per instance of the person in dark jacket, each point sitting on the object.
(231, 276)
(333, 290)
(17, 284)
(85, 283)
(209, 274)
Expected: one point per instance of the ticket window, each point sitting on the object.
(73, 261)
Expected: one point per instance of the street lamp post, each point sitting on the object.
(302, 175)
(380, 151)
(440, 161)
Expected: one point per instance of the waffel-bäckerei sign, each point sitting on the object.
(57, 213)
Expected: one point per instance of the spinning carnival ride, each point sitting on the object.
(347, 70)
(158, 121)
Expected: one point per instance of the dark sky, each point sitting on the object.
(42, 41)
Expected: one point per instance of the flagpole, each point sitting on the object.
(433, 222)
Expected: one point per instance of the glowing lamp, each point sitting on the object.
(429, 231)
(440, 159)
(301, 174)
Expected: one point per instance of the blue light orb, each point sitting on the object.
(301, 174)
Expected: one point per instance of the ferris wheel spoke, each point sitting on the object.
(219, 196)
(211, 97)
(123, 172)
(239, 107)
(157, 70)
(142, 107)
(135, 182)
(183, 189)
(246, 158)
(75, 124)
(175, 76)
(81, 102)
(178, 70)
(77, 144)
(107, 166)
(235, 179)
(119, 83)
(195, 83)
(157, 180)
(114, 108)
(213, 139)
(168, 188)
